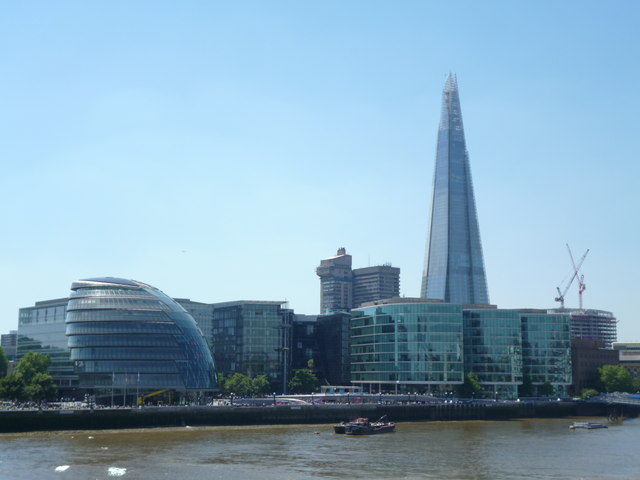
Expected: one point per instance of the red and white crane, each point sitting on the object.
(575, 275)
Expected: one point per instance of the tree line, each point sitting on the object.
(30, 380)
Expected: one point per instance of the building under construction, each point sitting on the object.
(597, 325)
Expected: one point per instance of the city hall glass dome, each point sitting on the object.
(130, 336)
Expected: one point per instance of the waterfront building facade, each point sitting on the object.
(587, 356)
(303, 341)
(493, 350)
(41, 329)
(128, 338)
(454, 267)
(253, 338)
(546, 351)
(333, 355)
(407, 346)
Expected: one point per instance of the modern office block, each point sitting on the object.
(407, 346)
(493, 350)
(546, 350)
(253, 338)
(454, 267)
(336, 283)
(41, 329)
(375, 283)
(127, 336)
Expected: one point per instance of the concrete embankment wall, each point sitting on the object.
(24, 421)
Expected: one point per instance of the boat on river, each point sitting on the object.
(342, 426)
(369, 428)
(587, 425)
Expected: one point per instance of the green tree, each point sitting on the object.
(41, 388)
(31, 364)
(587, 393)
(616, 378)
(12, 388)
(471, 387)
(239, 384)
(261, 384)
(525, 389)
(636, 384)
(303, 381)
(4, 363)
(546, 389)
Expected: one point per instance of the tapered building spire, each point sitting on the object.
(454, 267)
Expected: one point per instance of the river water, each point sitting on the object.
(531, 449)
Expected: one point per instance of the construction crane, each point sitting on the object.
(575, 275)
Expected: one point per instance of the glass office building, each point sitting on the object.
(493, 350)
(129, 337)
(454, 266)
(407, 347)
(546, 350)
(253, 338)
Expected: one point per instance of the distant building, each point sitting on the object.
(587, 356)
(42, 329)
(343, 288)
(454, 266)
(9, 343)
(375, 283)
(336, 283)
(628, 355)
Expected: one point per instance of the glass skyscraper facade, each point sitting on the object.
(129, 336)
(407, 346)
(454, 266)
(493, 350)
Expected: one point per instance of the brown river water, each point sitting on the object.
(532, 448)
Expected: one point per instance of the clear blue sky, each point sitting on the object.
(219, 150)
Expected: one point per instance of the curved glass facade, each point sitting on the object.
(407, 345)
(128, 335)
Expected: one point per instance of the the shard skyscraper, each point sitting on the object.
(454, 267)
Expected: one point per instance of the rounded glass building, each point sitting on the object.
(130, 338)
